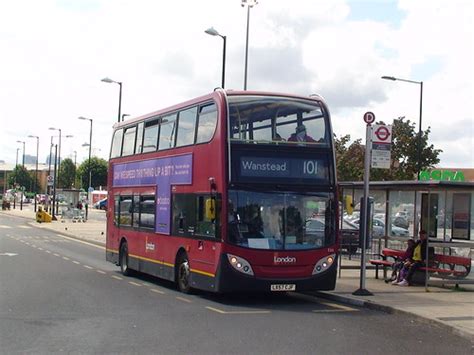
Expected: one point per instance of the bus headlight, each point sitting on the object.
(240, 264)
(324, 264)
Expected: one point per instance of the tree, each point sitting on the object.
(98, 173)
(404, 164)
(350, 159)
(67, 174)
(23, 177)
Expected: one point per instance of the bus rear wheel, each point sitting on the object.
(124, 260)
(183, 274)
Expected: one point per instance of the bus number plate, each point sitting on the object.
(283, 287)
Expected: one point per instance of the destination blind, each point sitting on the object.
(285, 168)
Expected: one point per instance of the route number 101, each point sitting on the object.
(310, 167)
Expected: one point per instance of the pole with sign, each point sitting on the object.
(369, 118)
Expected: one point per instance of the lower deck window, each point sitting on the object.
(137, 211)
(191, 215)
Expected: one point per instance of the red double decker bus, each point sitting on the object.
(232, 191)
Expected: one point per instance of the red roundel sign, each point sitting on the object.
(382, 134)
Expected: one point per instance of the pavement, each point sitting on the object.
(449, 307)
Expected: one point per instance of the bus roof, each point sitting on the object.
(218, 92)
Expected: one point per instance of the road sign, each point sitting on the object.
(381, 146)
(382, 134)
(50, 180)
(90, 189)
(369, 117)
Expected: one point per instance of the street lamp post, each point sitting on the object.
(58, 166)
(90, 146)
(58, 151)
(250, 4)
(108, 80)
(23, 164)
(211, 31)
(36, 171)
(23, 160)
(420, 119)
(54, 180)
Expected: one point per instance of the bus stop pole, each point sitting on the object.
(362, 291)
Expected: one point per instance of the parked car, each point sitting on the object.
(101, 204)
(349, 237)
(401, 222)
(378, 228)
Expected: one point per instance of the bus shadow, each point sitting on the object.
(253, 302)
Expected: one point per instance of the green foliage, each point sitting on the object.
(98, 173)
(67, 174)
(23, 178)
(404, 164)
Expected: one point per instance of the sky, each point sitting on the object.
(55, 53)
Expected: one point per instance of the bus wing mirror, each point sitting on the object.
(210, 211)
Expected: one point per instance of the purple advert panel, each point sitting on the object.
(163, 173)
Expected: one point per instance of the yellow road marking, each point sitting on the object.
(339, 307)
(117, 277)
(237, 312)
(332, 310)
(65, 258)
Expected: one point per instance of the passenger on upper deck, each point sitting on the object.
(300, 135)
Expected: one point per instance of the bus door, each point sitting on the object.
(207, 255)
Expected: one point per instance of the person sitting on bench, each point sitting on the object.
(399, 267)
(418, 258)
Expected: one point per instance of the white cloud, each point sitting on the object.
(54, 54)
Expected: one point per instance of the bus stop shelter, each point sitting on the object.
(444, 209)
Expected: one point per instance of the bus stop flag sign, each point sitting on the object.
(381, 146)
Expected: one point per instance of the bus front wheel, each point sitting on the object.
(183, 274)
(124, 259)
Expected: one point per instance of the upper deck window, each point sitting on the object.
(277, 120)
(186, 125)
(129, 141)
(150, 137)
(117, 144)
(167, 132)
(139, 144)
(207, 122)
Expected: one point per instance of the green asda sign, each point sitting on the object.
(442, 175)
